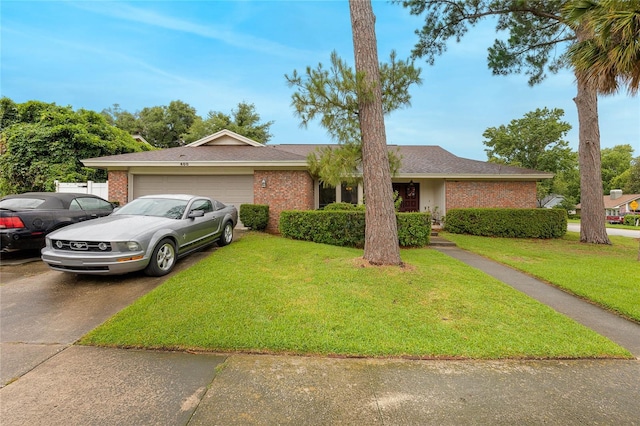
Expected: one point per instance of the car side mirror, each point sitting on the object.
(195, 213)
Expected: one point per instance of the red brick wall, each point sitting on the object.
(119, 186)
(284, 190)
(466, 194)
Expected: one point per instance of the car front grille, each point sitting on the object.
(100, 246)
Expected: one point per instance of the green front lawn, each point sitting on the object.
(267, 294)
(606, 275)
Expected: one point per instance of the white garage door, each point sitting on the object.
(234, 190)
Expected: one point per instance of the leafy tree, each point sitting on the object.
(381, 233)
(166, 126)
(47, 142)
(8, 113)
(122, 119)
(244, 120)
(629, 180)
(534, 142)
(615, 161)
(331, 96)
(567, 183)
(537, 28)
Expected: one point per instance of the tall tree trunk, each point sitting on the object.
(381, 233)
(592, 221)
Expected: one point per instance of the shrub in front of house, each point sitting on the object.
(254, 216)
(414, 229)
(343, 207)
(631, 219)
(509, 223)
(346, 228)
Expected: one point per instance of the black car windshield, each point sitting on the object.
(21, 203)
(161, 207)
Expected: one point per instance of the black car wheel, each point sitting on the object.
(163, 259)
(227, 235)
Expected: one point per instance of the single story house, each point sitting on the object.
(237, 170)
(617, 203)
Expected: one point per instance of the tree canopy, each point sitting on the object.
(331, 96)
(244, 120)
(178, 123)
(43, 142)
(615, 161)
(542, 37)
(535, 141)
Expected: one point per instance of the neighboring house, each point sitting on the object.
(237, 170)
(551, 201)
(617, 203)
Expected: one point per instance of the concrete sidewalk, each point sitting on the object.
(96, 386)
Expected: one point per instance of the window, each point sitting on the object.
(349, 193)
(327, 195)
(204, 205)
(89, 203)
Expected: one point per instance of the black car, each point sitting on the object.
(26, 218)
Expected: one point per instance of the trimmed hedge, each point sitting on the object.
(254, 216)
(509, 223)
(631, 219)
(346, 228)
(343, 207)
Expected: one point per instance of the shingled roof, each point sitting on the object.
(417, 160)
(433, 161)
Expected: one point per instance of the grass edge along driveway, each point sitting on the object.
(267, 294)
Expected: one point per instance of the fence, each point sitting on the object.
(89, 187)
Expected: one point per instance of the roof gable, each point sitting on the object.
(224, 137)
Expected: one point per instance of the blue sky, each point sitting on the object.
(215, 54)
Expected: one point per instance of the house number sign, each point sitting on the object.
(184, 164)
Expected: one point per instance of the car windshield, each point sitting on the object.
(21, 203)
(161, 207)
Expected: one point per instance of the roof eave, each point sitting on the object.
(185, 163)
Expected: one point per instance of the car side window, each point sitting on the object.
(89, 203)
(218, 205)
(74, 205)
(204, 205)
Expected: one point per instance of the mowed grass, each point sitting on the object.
(266, 294)
(606, 275)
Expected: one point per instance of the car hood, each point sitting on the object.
(112, 228)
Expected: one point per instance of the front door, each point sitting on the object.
(410, 193)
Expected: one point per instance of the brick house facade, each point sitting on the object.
(479, 194)
(282, 190)
(236, 170)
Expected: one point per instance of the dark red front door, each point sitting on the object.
(410, 193)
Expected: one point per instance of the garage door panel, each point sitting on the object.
(232, 189)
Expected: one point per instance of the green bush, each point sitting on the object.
(510, 223)
(631, 219)
(254, 216)
(346, 228)
(414, 229)
(343, 207)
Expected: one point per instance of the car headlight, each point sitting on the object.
(133, 246)
(129, 246)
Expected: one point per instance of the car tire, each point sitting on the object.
(227, 235)
(163, 259)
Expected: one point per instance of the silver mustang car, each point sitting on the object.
(149, 233)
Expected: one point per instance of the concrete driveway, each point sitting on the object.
(43, 311)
